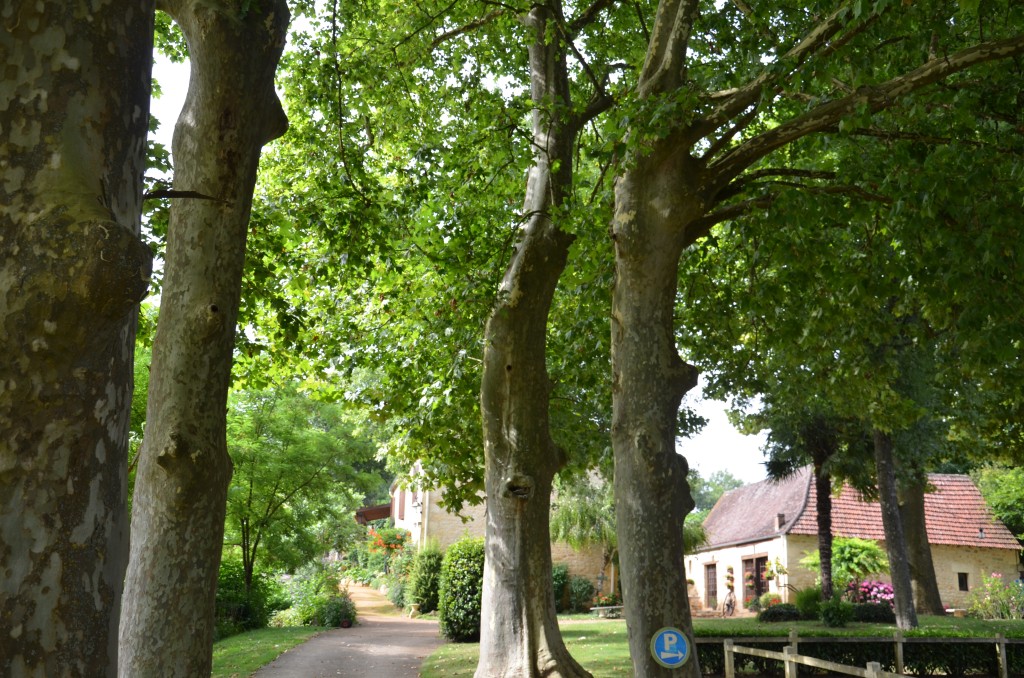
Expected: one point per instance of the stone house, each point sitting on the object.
(420, 512)
(768, 527)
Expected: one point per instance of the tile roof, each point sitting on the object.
(955, 513)
(749, 513)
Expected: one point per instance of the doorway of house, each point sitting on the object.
(754, 583)
(711, 586)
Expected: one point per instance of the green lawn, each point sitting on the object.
(240, 656)
(602, 649)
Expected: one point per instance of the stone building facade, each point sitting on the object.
(420, 512)
(763, 531)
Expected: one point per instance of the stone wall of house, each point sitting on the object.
(798, 546)
(951, 562)
(587, 562)
(696, 569)
(969, 563)
(433, 523)
(447, 528)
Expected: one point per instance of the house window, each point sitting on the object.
(711, 585)
(961, 578)
(401, 504)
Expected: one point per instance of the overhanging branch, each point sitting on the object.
(465, 28)
(874, 98)
(589, 15)
(741, 98)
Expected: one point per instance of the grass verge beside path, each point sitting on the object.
(602, 648)
(242, 655)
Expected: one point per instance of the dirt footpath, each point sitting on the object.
(381, 645)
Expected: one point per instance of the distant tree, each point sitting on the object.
(295, 477)
(1003, 490)
(707, 491)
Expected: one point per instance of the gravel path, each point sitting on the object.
(379, 646)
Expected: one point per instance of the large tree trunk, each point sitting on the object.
(519, 626)
(649, 380)
(895, 543)
(657, 201)
(74, 111)
(927, 599)
(180, 491)
(823, 505)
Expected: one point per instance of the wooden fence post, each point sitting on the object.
(730, 662)
(874, 670)
(897, 642)
(788, 652)
(1004, 670)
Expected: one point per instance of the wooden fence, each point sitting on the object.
(791, 658)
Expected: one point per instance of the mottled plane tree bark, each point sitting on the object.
(74, 103)
(519, 629)
(230, 112)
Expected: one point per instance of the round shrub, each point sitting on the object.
(780, 612)
(581, 592)
(836, 613)
(336, 609)
(424, 578)
(808, 601)
(874, 613)
(318, 599)
(239, 610)
(461, 591)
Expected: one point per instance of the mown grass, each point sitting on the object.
(240, 656)
(602, 648)
(599, 646)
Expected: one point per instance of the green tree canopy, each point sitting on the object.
(301, 468)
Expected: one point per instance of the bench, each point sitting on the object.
(608, 611)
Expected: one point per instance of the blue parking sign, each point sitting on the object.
(670, 648)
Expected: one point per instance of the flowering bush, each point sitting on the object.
(996, 599)
(387, 539)
(606, 601)
(871, 592)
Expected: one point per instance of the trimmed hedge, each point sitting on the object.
(424, 578)
(779, 613)
(873, 613)
(461, 591)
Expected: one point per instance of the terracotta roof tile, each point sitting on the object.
(955, 514)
